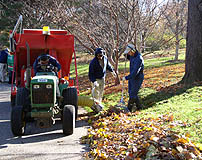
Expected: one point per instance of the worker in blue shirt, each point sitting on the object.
(46, 59)
(136, 76)
(3, 64)
(97, 73)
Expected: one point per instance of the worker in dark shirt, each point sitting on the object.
(97, 73)
(136, 76)
(50, 65)
(46, 59)
(3, 64)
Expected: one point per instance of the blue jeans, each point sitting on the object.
(134, 86)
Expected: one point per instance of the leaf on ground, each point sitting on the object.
(118, 135)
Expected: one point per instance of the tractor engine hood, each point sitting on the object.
(44, 79)
(43, 90)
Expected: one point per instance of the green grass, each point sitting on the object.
(185, 104)
(81, 69)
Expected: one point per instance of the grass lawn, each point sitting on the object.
(160, 95)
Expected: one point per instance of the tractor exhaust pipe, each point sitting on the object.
(28, 69)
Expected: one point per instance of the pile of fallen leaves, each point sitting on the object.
(118, 135)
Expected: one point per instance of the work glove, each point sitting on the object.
(96, 84)
(114, 73)
(124, 78)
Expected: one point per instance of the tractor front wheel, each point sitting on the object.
(13, 101)
(22, 97)
(68, 119)
(71, 98)
(18, 122)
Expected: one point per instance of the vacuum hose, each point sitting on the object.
(85, 101)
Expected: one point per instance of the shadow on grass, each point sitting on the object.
(165, 93)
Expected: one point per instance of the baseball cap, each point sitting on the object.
(44, 57)
(99, 51)
(129, 48)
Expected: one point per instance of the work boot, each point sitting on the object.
(131, 104)
(138, 104)
(97, 108)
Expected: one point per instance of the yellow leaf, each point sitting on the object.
(171, 118)
(146, 145)
(182, 140)
(123, 152)
(174, 152)
(196, 151)
(187, 134)
(149, 129)
(199, 146)
(90, 135)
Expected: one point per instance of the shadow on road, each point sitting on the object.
(32, 133)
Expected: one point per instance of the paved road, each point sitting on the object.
(37, 144)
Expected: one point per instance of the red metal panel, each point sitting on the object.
(40, 31)
(59, 41)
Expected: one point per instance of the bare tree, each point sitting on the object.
(176, 17)
(109, 24)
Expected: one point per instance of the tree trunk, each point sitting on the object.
(115, 64)
(177, 43)
(193, 62)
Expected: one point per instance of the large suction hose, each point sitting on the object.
(85, 101)
(90, 102)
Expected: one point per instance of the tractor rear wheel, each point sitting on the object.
(18, 122)
(68, 119)
(71, 98)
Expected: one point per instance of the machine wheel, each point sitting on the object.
(18, 122)
(22, 97)
(71, 97)
(68, 119)
(13, 101)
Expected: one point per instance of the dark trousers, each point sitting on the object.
(134, 86)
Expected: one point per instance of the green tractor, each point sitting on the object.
(33, 97)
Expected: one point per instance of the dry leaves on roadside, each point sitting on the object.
(116, 135)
